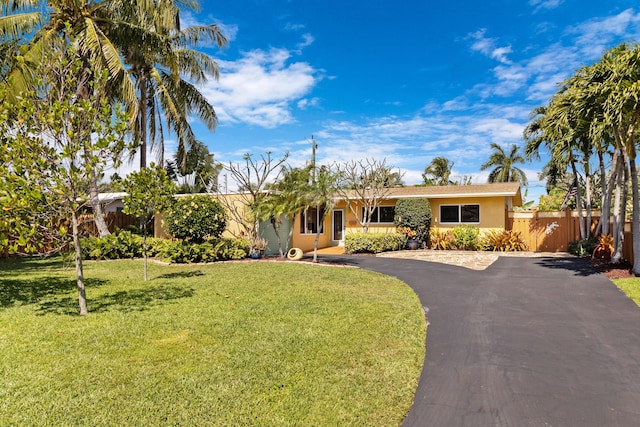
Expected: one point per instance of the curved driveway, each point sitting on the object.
(526, 342)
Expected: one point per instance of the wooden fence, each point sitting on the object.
(552, 231)
(88, 227)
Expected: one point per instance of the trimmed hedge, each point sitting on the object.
(415, 214)
(373, 243)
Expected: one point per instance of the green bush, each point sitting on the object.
(196, 218)
(583, 247)
(123, 244)
(503, 241)
(128, 245)
(466, 237)
(415, 214)
(373, 243)
(224, 249)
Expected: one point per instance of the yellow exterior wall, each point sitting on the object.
(492, 212)
(233, 229)
(305, 242)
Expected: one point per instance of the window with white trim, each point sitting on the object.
(381, 215)
(459, 214)
(310, 220)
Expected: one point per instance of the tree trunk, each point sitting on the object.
(276, 230)
(98, 217)
(587, 191)
(144, 245)
(82, 297)
(607, 191)
(583, 234)
(635, 214)
(618, 212)
(143, 123)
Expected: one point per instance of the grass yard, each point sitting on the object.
(251, 343)
(631, 287)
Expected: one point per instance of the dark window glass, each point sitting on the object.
(449, 213)
(470, 213)
(387, 213)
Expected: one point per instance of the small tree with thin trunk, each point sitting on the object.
(364, 184)
(148, 191)
(53, 144)
(251, 178)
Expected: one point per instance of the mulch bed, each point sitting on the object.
(613, 271)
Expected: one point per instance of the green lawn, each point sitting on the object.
(252, 343)
(631, 287)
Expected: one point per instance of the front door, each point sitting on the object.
(337, 229)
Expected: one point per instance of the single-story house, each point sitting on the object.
(482, 205)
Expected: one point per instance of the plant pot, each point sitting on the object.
(255, 255)
(412, 244)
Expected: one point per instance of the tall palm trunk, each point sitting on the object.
(618, 210)
(142, 126)
(635, 213)
(607, 190)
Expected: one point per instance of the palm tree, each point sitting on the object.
(438, 172)
(503, 164)
(166, 71)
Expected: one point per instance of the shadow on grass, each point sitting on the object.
(19, 263)
(34, 290)
(122, 301)
(180, 275)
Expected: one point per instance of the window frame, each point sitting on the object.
(460, 213)
(303, 221)
(376, 215)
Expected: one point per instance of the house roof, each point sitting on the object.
(504, 189)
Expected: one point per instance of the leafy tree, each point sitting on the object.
(320, 195)
(364, 184)
(285, 198)
(503, 165)
(438, 172)
(148, 191)
(53, 144)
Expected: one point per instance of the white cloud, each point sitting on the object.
(545, 4)
(260, 88)
(487, 46)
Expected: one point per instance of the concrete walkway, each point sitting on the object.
(527, 342)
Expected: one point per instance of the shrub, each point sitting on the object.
(466, 237)
(196, 218)
(503, 241)
(224, 249)
(583, 247)
(442, 240)
(123, 244)
(415, 214)
(356, 243)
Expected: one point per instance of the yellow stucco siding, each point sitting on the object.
(306, 241)
(492, 212)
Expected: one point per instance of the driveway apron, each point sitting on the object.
(526, 342)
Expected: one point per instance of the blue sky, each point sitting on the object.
(406, 81)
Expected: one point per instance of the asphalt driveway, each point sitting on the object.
(526, 342)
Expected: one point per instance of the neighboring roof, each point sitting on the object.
(504, 189)
(110, 197)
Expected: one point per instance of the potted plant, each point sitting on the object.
(258, 247)
(410, 234)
